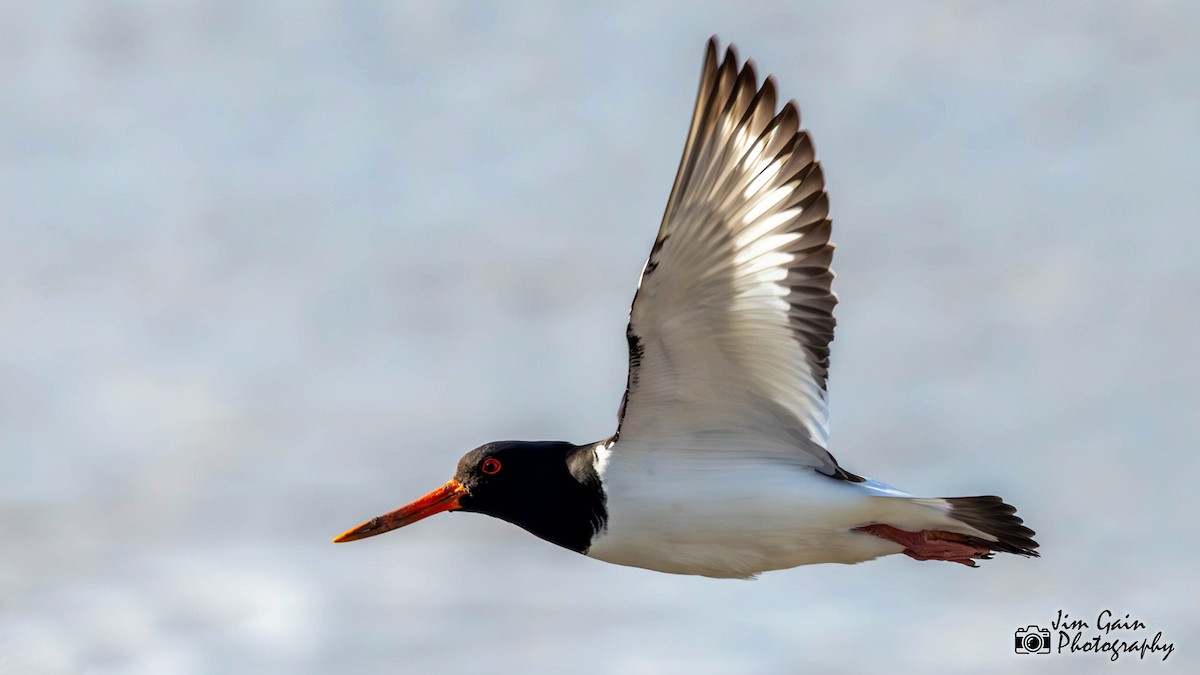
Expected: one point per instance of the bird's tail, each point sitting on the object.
(988, 520)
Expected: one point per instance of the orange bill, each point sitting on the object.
(444, 498)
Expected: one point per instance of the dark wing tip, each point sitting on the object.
(710, 53)
(792, 112)
(769, 85)
(731, 55)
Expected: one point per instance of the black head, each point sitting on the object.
(549, 488)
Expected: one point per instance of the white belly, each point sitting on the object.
(733, 519)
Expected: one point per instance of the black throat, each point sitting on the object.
(549, 488)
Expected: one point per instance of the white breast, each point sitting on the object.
(677, 511)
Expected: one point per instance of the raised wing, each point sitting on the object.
(730, 327)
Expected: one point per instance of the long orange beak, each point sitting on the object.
(444, 498)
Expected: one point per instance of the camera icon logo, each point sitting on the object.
(1032, 640)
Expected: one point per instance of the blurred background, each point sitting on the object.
(268, 269)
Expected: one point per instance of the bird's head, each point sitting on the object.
(540, 486)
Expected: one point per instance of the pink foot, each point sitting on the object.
(933, 544)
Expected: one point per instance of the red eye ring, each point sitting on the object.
(490, 465)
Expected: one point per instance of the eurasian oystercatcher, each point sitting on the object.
(719, 465)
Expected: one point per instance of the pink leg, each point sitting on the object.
(932, 544)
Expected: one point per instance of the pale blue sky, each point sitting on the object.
(268, 269)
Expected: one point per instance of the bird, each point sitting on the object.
(720, 464)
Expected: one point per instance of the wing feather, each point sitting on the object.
(730, 328)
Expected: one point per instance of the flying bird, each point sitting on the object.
(720, 465)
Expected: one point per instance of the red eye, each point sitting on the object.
(490, 465)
